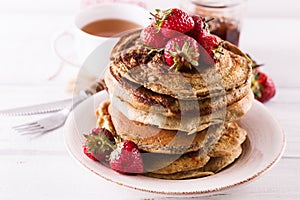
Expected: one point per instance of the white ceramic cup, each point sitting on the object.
(85, 43)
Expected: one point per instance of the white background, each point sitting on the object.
(42, 169)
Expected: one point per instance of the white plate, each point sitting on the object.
(264, 147)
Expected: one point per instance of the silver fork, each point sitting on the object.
(52, 122)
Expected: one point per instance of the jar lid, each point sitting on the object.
(218, 3)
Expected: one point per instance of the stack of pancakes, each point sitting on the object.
(184, 123)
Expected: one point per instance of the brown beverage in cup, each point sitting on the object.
(103, 24)
(227, 16)
(109, 27)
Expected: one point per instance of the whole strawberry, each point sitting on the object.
(88, 153)
(172, 22)
(126, 158)
(182, 53)
(211, 44)
(152, 38)
(262, 86)
(200, 29)
(99, 144)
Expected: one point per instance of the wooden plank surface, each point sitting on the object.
(41, 168)
(54, 175)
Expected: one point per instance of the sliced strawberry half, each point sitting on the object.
(126, 158)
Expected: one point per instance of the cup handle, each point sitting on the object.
(58, 39)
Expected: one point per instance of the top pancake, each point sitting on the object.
(131, 61)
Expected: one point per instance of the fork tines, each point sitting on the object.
(32, 127)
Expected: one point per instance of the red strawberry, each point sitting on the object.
(200, 29)
(88, 154)
(152, 37)
(211, 44)
(99, 144)
(127, 159)
(262, 86)
(173, 22)
(182, 53)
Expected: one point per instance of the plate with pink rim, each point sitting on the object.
(262, 150)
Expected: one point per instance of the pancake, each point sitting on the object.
(169, 164)
(104, 118)
(187, 123)
(131, 62)
(217, 158)
(198, 173)
(218, 163)
(188, 165)
(143, 99)
(153, 139)
(212, 167)
(232, 138)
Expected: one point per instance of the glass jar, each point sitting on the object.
(227, 16)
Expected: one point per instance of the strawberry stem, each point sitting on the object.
(256, 87)
(111, 145)
(209, 20)
(161, 16)
(184, 56)
(218, 51)
(254, 63)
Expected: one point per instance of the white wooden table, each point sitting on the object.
(41, 168)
